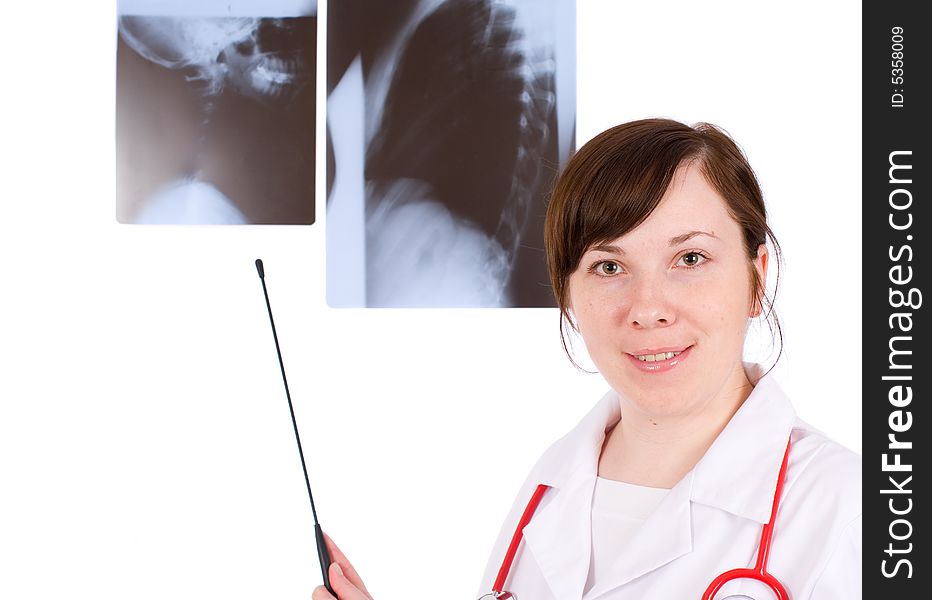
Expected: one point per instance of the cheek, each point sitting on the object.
(722, 304)
(588, 303)
(590, 321)
(734, 318)
(597, 317)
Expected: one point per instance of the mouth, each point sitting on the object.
(659, 359)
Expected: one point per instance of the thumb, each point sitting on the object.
(342, 586)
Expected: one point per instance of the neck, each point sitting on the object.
(659, 450)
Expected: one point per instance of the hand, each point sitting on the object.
(344, 579)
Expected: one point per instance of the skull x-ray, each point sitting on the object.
(448, 121)
(216, 119)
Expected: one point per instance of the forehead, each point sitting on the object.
(689, 204)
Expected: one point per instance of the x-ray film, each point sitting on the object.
(448, 121)
(216, 114)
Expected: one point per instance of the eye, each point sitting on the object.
(693, 259)
(605, 268)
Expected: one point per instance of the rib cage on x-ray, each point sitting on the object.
(462, 148)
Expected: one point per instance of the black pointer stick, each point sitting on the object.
(322, 553)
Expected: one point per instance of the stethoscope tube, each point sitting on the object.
(516, 539)
(759, 572)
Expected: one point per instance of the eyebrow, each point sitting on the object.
(674, 241)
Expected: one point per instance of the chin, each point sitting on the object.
(663, 406)
(661, 399)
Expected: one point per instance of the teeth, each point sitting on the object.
(656, 357)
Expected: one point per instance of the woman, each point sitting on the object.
(656, 243)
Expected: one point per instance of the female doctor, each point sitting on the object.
(694, 464)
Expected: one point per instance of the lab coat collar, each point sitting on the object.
(559, 535)
(758, 433)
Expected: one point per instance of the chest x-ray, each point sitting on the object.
(215, 119)
(447, 124)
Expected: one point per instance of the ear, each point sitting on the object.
(760, 265)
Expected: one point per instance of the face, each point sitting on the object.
(664, 309)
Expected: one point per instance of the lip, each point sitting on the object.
(644, 351)
(660, 366)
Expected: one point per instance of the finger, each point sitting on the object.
(344, 587)
(337, 556)
(321, 593)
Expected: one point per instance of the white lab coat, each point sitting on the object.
(709, 523)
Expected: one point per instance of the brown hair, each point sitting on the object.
(615, 181)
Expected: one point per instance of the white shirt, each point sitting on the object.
(709, 523)
(618, 511)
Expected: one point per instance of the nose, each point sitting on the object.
(650, 305)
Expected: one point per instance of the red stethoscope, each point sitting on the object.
(759, 572)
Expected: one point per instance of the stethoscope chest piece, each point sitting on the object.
(499, 596)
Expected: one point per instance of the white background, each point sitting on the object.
(145, 444)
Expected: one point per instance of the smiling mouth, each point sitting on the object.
(648, 356)
(656, 357)
(657, 361)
